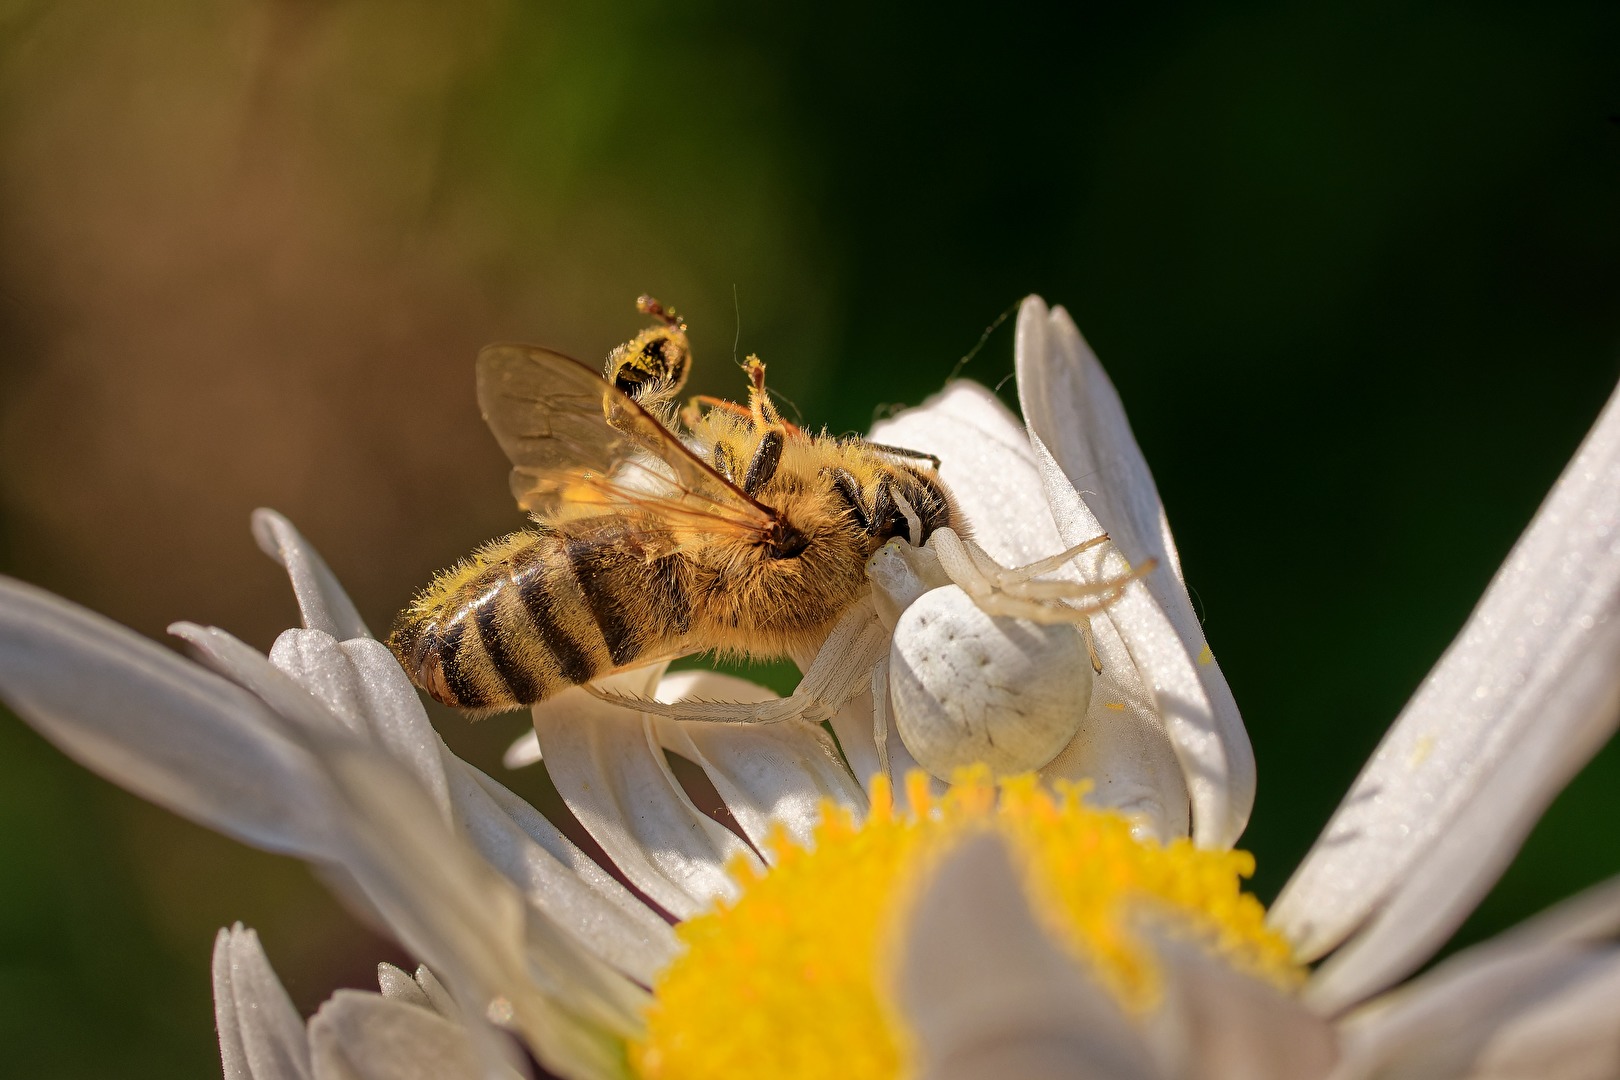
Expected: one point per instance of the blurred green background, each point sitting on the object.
(1354, 268)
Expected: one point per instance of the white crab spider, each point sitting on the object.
(982, 663)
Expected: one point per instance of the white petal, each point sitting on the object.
(523, 752)
(1071, 405)
(1459, 994)
(1096, 479)
(1551, 1013)
(161, 726)
(1525, 695)
(986, 460)
(615, 779)
(191, 741)
(361, 682)
(1589, 916)
(1217, 764)
(987, 994)
(448, 906)
(562, 884)
(261, 1035)
(357, 687)
(437, 995)
(252, 670)
(1217, 1024)
(321, 600)
(1122, 747)
(767, 774)
(1572, 1034)
(358, 1036)
(397, 985)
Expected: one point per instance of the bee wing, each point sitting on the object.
(573, 436)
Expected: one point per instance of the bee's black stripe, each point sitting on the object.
(572, 659)
(592, 568)
(675, 603)
(519, 686)
(467, 693)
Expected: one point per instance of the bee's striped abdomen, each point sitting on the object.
(550, 598)
(539, 612)
(516, 681)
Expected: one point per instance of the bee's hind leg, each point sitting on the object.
(841, 670)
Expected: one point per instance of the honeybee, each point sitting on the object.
(748, 537)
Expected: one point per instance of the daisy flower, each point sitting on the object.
(1089, 920)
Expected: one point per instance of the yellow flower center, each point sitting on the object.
(792, 980)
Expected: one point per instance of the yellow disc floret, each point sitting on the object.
(792, 979)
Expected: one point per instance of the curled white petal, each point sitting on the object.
(768, 775)
(1525, 695)
(524, 751)
(396, 984)
(437, 995)
(261, 1035)
(361, 680)
(1097, 480)
(615, 778)
(557, 879)
(987, 460)
(356, 688)
(318, 687)
(321, 600)
(451, 908)
(1217, 764)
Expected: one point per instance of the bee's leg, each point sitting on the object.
(692, 412)
(901, 451)
(849, 489)
(762, 466)
(711, 402)
(723, 462)
(840, 670)
(1009, 591)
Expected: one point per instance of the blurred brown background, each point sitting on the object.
(1355, 271)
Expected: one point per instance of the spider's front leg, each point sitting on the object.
(1015, 592)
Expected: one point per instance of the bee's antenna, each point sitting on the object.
(737, 305)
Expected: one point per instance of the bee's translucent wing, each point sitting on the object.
(573, 437)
